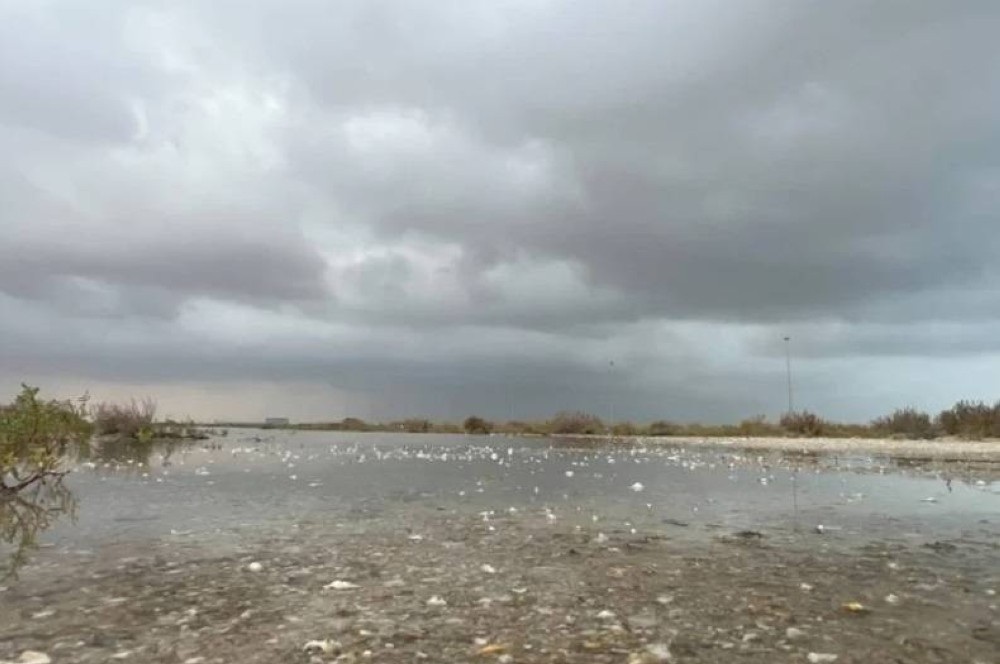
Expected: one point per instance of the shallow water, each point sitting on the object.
(272, 477)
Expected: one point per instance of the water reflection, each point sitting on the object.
(26, 514)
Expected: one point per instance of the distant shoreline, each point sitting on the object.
(942, 450)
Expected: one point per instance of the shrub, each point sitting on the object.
(624, 429)
(131, 420)
(414, 425)
(971, 420)
(758, 426)
(35, 435)
(576, 422)
(477, 425)
(907, 423)
(664, 428)
(803, 424)
(354, 424)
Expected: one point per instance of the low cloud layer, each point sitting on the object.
(501, 207)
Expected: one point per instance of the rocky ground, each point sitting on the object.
(446, 586)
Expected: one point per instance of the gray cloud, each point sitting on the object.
(458, 199)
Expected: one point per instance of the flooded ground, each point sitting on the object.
(385, 548)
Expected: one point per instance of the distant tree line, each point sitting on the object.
(966, 419)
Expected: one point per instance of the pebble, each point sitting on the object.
(821, 658)
(30, 657)
(325, 646)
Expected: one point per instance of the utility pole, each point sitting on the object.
(788, 372)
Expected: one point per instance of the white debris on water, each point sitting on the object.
(569, 473)
(341, 585)
(637, 487)
(488, 569)
(255, 566)
(606, 615)
(437, 601)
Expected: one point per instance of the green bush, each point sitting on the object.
(906, 423)
(35, 435)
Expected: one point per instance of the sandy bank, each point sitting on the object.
(959, 450)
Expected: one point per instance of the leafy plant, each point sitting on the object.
(34, 437)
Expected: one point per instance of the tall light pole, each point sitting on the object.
(611, 395)
(788, 372)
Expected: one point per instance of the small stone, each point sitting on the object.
(854, 607)
(794, 633)
(606, 615)
(33, 657)
(654, 653)
(325, 646)
(505, 658)
(658, 652)
(821, 658)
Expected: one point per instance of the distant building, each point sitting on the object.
(276, 422)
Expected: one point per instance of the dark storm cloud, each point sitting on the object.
(342, 188)
(816, 159)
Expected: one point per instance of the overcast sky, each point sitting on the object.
(508, 207)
